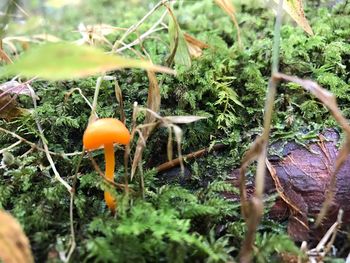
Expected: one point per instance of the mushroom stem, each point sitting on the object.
(110, 164)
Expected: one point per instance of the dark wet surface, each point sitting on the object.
(305, 174)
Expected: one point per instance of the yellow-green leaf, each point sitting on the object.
(177, 41)
(295, 9)
(60, 61)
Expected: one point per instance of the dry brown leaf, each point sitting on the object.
(329, 100)
(195, 46)
(153, 103)
(8, 103)
(302, 177)
(229, 9)
(14, 245)
(295, 9)
(8, 107)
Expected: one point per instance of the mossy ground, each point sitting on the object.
(190, 222)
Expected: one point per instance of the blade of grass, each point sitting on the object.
(253, 211)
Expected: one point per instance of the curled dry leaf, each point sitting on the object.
(195, 46)
(14, 245)
(9, 108)
(229, 9)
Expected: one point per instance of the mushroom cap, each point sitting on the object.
(105, 131)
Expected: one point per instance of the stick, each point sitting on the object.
(175, 162)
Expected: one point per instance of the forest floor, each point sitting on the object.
(189, 212)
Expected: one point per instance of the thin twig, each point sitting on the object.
(71, 208)
(46, 149)
(69, 93)
(10, 147)
(175, 162)
(323, 247)
(97, 91)
(138, 24)
(34, 146)
(150, 31)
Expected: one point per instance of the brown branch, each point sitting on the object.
(193, 155)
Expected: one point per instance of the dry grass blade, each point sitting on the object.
(229, 9)
(169, 148)
(329, 100)
(153, 103)
(119, 98)
(183, 119)
(250, 156)
(256, 211)
(295, 9)
(14, 245)
(178, 137)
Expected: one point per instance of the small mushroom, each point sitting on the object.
(104, 133)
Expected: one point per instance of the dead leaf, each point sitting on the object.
(46, 37)
(302, 177)
(295, 9)
(4, 56)
(195, 46)
(8, 107)
(8, 104)
(14, 245)
(328, 100)
(153, 103)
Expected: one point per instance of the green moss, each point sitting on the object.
(191, 222)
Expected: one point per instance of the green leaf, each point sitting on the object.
(60, 61)
(182, 55)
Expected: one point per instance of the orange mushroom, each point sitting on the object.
(105, 132)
